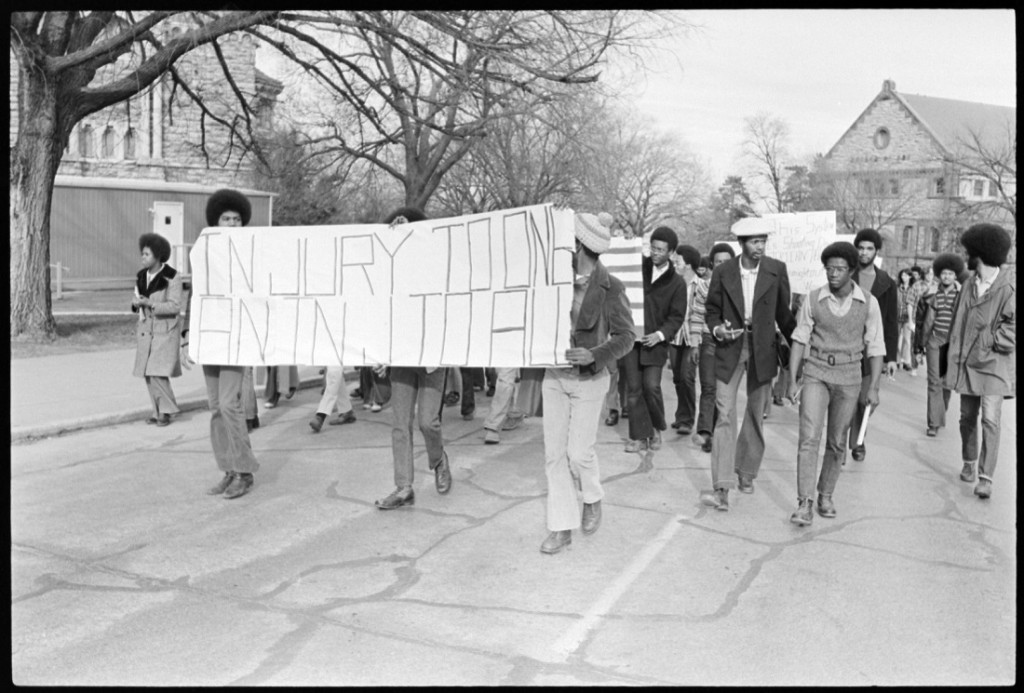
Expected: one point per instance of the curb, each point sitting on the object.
(23, 434)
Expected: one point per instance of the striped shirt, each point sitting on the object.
(622, 260)
(694, 326)
(942, 303)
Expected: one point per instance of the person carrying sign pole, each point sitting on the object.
(747, 297)
(601, 332)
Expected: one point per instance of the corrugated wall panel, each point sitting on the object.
(95, 231)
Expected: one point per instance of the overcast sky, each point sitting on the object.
(818, 70)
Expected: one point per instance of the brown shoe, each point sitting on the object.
(396, 499)
(556, 541)
(826, 508)
(746, 484)
(443, 475)
(341, 419)
(240, 485)
(591, 517)
(654, 442)
(983, 489)
(804, 514)
(967, 473)
(222, 484)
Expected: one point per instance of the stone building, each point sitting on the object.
(149, 162)
(905, 166)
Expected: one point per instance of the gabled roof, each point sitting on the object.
(947, 119)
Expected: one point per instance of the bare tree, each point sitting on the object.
(70, 65)
(992, 159)
(865, 199)
(765, 147)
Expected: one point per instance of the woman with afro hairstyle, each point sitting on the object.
(157, 300)
(982, 342)
(939, 306)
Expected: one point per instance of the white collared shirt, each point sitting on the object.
(656, 272)
(748, 280)
(874, 337)
(983, 285)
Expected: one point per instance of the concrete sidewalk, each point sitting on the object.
(51, 395)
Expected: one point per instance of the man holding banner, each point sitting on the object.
(601, 332)
(747, 297)
(412, 388)
(875, 280)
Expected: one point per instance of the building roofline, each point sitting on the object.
(67, 181)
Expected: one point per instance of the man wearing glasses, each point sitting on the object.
(837, 325)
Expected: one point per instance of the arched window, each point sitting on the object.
(129, 144)
(85, 148)
(936, 239)
(108, 143)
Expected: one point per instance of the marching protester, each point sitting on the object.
(918, 291)
(708, 413)
(684, 349)
(875, 280)
(982, 342)
(747, 297)
(416, 391)
(503, 415)
(838, 325)
(280, 380)
(158, 295)
(601, 332)
(619, 259)
(335, 396)
(947, 268)
(664, 312)
(905, 321)
(229, 434)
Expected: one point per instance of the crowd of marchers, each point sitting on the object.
(718, 319)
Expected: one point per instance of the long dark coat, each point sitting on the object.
(664, 310)
(983, 339)
(771, 306)
(158, 333)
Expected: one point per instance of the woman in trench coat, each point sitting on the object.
(158, 332)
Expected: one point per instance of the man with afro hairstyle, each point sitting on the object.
(939, 305)
(874, 279)
(982, 342)
(837, 326)
(229, 435)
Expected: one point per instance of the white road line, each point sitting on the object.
(572, 638)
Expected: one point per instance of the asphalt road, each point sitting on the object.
(123, 572)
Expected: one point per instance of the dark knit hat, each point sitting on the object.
(225, 200)
(690, 255)
(410, 214)
(667, 236)
(158, 245)
(948, 261)
(987, 242)
(721, 248)
(868, 235)
(840, 249)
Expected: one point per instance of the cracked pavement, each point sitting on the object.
(124, 572)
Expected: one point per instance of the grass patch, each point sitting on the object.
(78, 333)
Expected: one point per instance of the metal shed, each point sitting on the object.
(95, 224)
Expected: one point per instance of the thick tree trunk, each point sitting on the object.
(34, 161)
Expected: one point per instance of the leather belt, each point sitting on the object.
(830, 356)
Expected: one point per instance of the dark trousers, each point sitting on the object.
(468, 399)
(643, 396)
(682, 360)
(706, 368)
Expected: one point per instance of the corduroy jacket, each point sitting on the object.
(604, 324)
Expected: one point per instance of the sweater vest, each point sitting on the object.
(836, 347)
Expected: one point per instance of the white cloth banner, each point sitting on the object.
(797, 239)
(492, 289)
